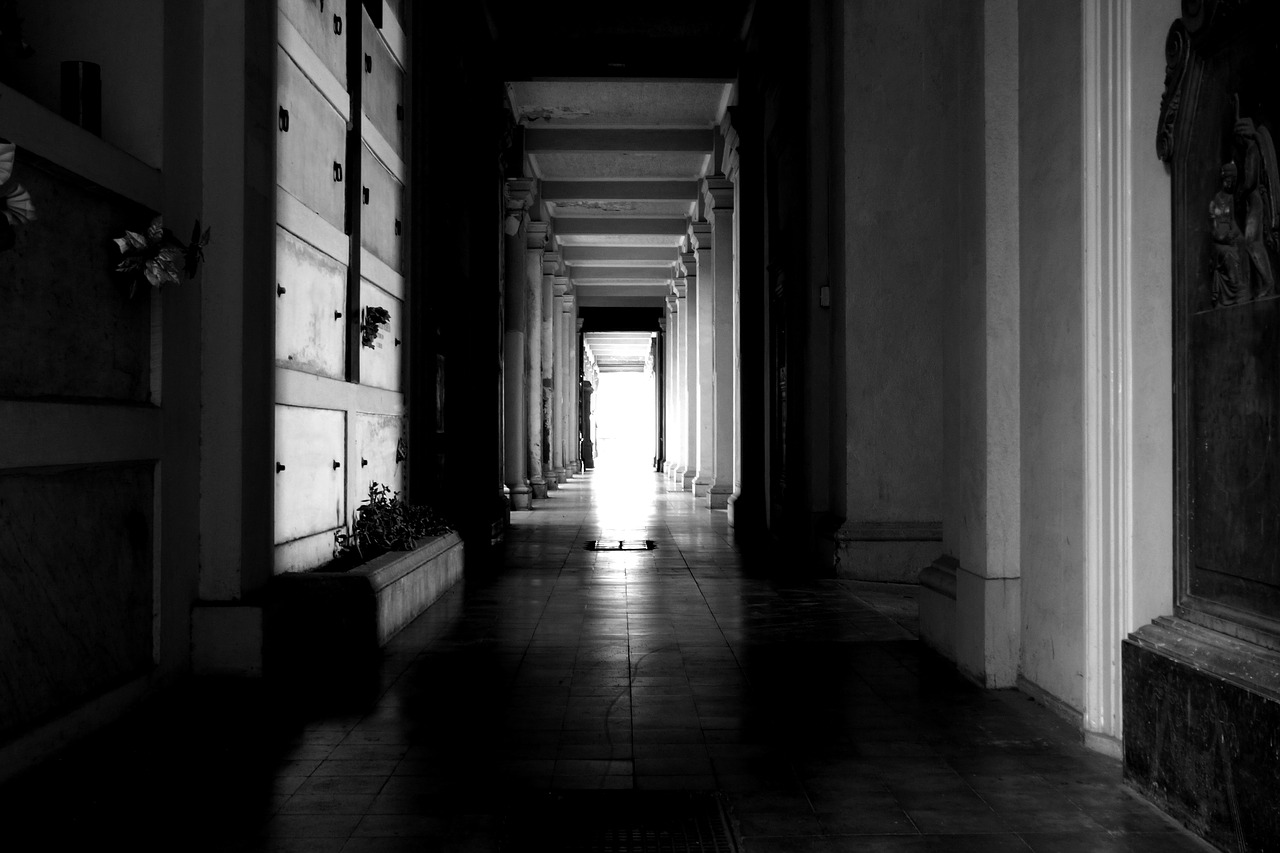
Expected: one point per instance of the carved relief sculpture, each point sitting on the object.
(1258, 191)
(1227, 281)
(1242, 218)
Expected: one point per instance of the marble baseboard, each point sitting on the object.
(1201, 712)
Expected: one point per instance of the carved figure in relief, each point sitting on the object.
(1243, 220)
(1228, 283)
(1258, 193)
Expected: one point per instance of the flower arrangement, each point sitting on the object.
(375, 317)
(16, 206)
(157, 256)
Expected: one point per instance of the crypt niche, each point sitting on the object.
(1219, 120)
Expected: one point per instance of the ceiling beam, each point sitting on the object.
(573, 139)
(611, 274)
(619, 190)
(617, 225)
(603, 255)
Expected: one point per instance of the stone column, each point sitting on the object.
(537, 238)
(660, 397)
(575, 385)
(550, 319)
(670, 386)
(719, 208)
(732, 171)
(588, 451)
(703, 388)
(558, 424)
(689, 369)
(515, 344)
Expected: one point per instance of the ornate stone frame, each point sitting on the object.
(1204, 29)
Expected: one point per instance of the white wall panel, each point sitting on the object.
(311, 487)
(309, 334)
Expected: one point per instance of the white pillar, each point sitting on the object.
(550, 363)
(689, 370)
(575, 384)
(537, 238)
(719, 208)
(515, 345)
(732, 172)
(702, 386)
(565, 322)
(670, 379)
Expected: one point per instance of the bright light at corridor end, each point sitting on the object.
(624, 416)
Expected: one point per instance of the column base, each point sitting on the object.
(701, 488)
(521, 498)
(988, 628)
(562, 475)
(552, 483)
(539, 490)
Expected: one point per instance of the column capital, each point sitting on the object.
(680, 287)
(718, 193)
(552, 263)
(662, 323)
(690, 261)
(700, 235)
(537, 234)
(673, 302)
(559, 284)
(731, 140)
(570, 300)
(579, 324)
(518, 193)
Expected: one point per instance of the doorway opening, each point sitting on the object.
(624, 423)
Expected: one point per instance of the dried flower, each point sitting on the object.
(159, 256)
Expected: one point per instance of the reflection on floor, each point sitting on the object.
(694, 667)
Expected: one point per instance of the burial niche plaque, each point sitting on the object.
(1218, 123)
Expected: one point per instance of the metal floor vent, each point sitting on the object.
(622, 822)
(621, 545)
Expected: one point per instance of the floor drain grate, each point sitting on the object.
(621, 545)
(622, 822)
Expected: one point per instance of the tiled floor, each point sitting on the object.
(695, 666)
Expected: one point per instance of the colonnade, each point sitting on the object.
(703, 391)
(540, 362)
(700, 354)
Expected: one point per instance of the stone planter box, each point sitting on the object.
(331, 619)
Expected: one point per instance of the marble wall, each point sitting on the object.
(61, 308)
(76, 615)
